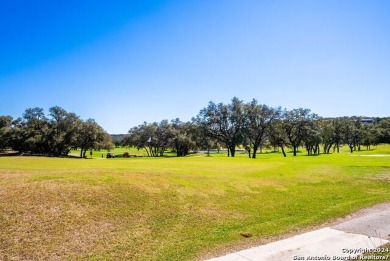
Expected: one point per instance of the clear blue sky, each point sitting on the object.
(125, 62)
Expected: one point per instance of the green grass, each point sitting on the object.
(379, 251)
(117, 150)
(176, 208)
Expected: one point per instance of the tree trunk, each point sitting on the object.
(254, 152)
(232, 150)
(284, 153)
(295, 150)
(147, 151)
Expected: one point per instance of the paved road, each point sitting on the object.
(374, 224)
(366, 229)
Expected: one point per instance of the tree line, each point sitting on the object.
(52, 135)
(247, 125)
(253, 126)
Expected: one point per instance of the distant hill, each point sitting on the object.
(117, 138)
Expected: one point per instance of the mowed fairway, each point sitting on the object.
(175, 208)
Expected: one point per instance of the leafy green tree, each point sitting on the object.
(137, 137)
(338, 132)
(154, 137)
(312, 138)
(141, 137)
(350, 133)
(358, 126)
(382, 129)
(183, 139)
(34, 128)
(277, 135)
(368, 135)
(224, 122)
(63, 131)
(327, 133)
(56, 135)
(5, 131)
(202, 139)
(163, 137)
(91, 136)
(258, 119)
(105, 142)
(16, 135)
(295, 124)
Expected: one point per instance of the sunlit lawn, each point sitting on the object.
(176, 208)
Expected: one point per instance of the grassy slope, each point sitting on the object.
(175, 208)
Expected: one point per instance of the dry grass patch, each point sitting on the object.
(42, 218)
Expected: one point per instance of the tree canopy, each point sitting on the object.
(53, 135)
(253, 126)
(249, 126)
